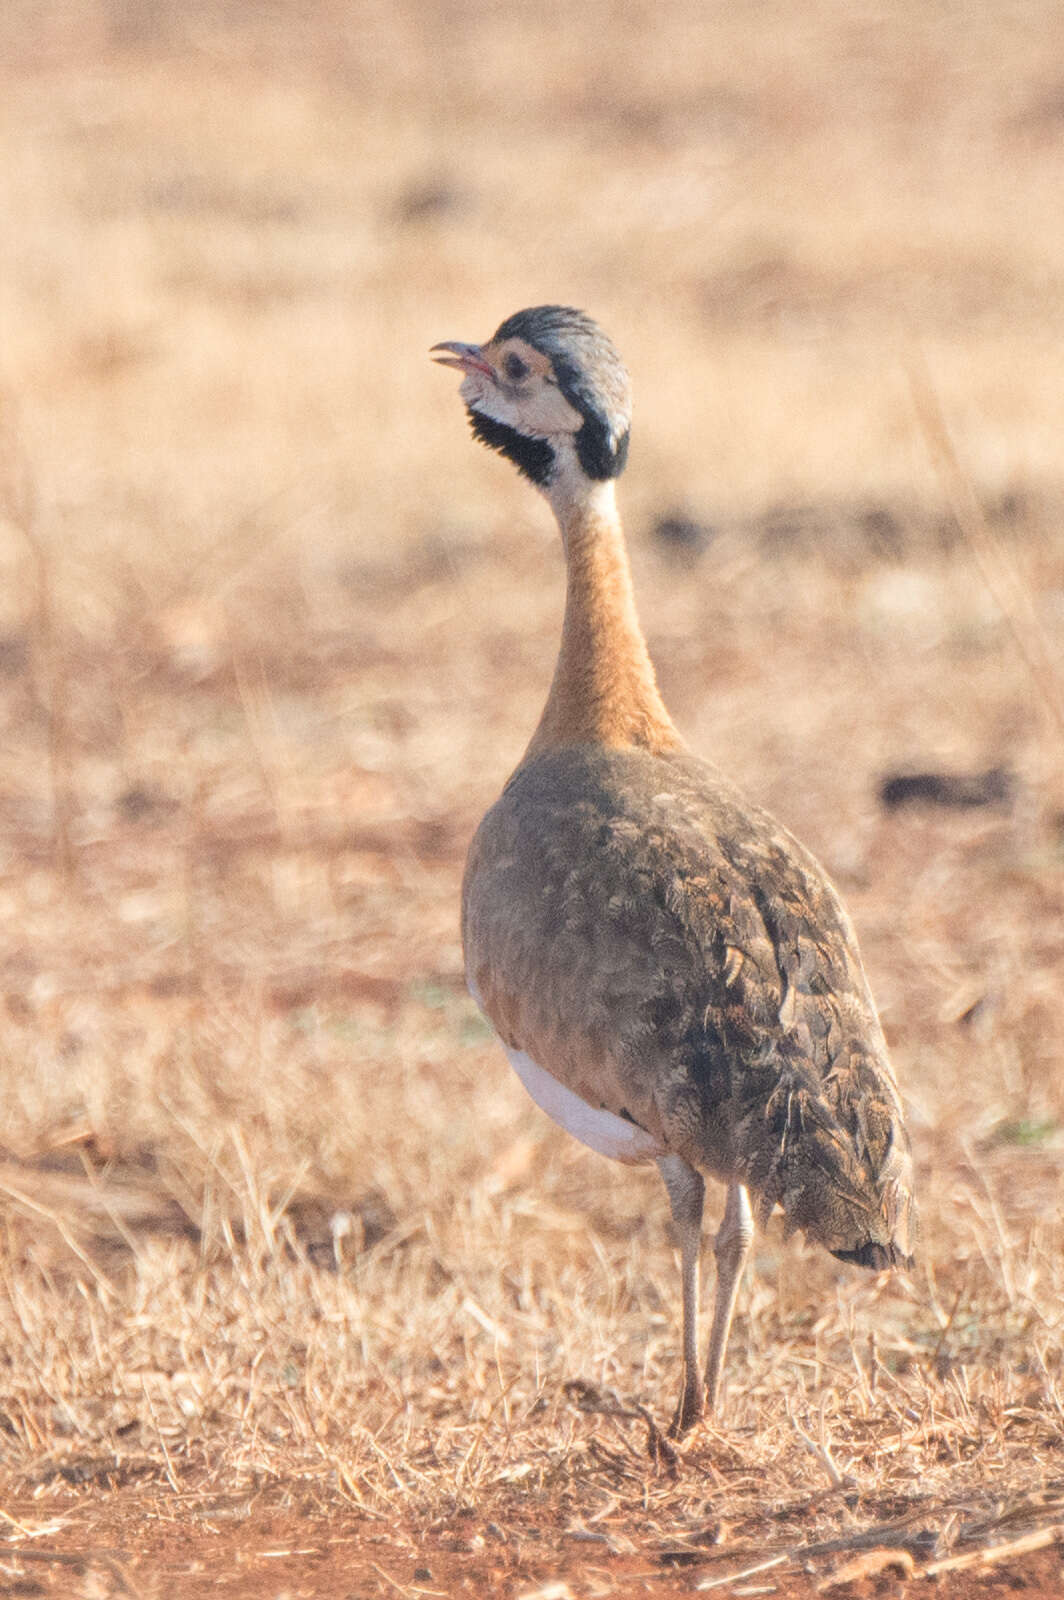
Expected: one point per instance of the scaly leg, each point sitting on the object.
(687, 1192)
(731, 1248)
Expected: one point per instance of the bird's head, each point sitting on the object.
(549, 391)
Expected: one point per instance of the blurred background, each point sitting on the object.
(273, 632)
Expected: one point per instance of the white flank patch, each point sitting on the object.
(599, 1130)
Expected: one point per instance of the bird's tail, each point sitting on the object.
(841, 1172)
(877, 1257)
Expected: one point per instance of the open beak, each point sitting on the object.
(466, 357)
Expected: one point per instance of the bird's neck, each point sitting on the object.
(604, 689)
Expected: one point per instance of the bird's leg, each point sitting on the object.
(731, 1248)
(687, 1192)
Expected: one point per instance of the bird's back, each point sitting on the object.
(669, 953)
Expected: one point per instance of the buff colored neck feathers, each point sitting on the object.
(604, 689)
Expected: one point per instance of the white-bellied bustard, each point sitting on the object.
(673, 976)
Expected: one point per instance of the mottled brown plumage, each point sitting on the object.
(642, 937)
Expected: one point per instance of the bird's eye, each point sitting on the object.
(515, 367)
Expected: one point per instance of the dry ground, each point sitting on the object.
(297, 1293)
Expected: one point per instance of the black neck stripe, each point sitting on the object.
(532, 457)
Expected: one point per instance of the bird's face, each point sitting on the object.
(549, 391)
(513, 383)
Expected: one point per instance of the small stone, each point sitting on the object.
(954, 791)
(683, 537)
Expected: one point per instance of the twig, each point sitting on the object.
(821, 1451)
(170, 1473)
(608, 1404)
(79, 1560)
(869, 1565)
(103, 1283)
(1010, 594)
(19, 501)
(993, 1555)
(399, 1588)
(932, 1361)
(747, 1572)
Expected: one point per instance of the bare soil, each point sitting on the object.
(275, 1546)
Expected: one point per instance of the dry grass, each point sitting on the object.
(276, 1218)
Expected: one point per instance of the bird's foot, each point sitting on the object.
(689, 1411)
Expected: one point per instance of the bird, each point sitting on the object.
(671, 973)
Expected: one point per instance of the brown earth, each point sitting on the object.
(268, 1548)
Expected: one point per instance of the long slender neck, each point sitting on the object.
(604, 689)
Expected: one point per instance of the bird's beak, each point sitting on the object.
(466, 357)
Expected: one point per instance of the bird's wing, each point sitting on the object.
(671, 955)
